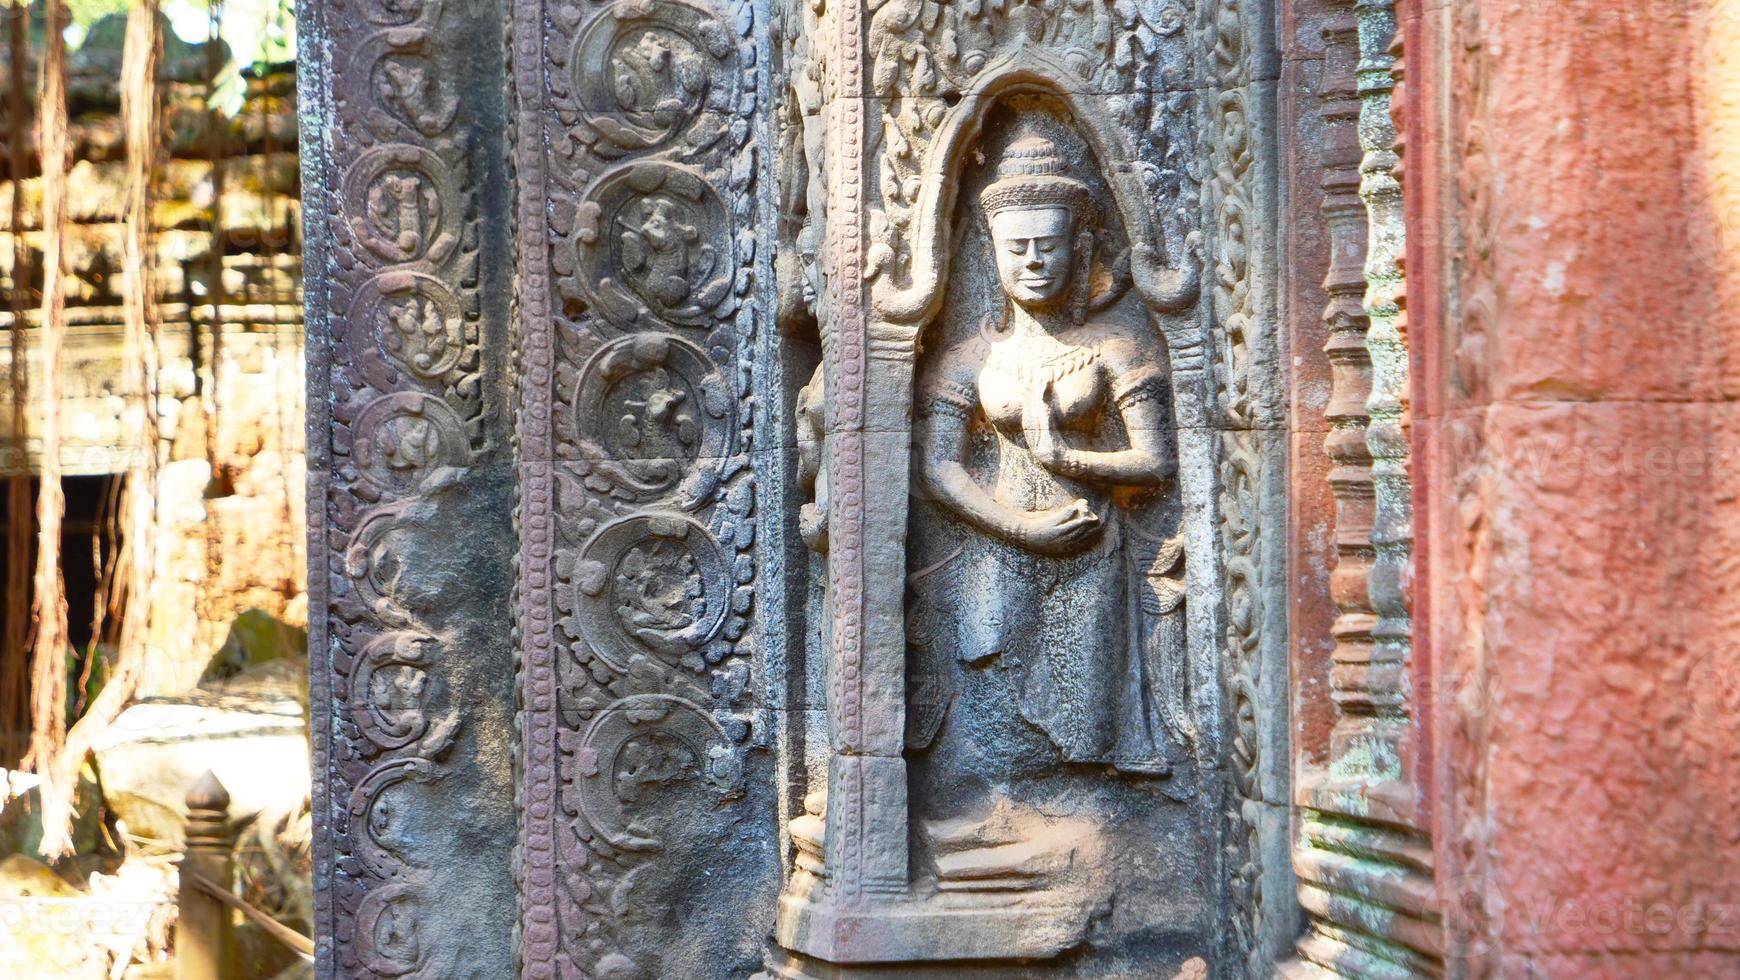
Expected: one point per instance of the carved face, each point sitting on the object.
(1035, 253)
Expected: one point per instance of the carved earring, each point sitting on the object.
(992, 327)
(1081, 293)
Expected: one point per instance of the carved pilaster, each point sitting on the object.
(642, 296)
(868, 471)
(1387, 687)
(409, 485)
(1350, 365)
(1363, 858)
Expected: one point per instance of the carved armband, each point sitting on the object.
(1073, 463)
(948, 398)
(1143, 384)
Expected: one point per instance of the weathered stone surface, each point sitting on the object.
(898, 444)
(257, 745)
(411, 489)
(1579, 564)
(649, 838)
(968, 461)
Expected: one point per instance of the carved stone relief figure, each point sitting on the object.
(1047, 591)
(981, 727)
(1024, 726)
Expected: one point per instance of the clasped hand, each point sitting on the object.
(1059, 530)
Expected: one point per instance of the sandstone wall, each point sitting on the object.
(1576, 178)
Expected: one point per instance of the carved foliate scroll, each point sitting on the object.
(409, 501)
(1244, 247)
(645, 774)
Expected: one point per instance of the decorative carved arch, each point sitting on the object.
(1169, 293)
(1028, 69)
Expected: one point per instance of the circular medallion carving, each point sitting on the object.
(416, 321)
(398, 199)
(394, 694)
(655, 244)
(381, 830)
(387, 937)
(638, 751)
(658, 585)
(399, 13)
(400, 439)
(408, 93)
(644, 71)
(653, 416)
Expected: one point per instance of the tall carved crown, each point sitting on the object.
(1034, 174)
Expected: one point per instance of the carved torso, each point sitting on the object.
(1017, 366)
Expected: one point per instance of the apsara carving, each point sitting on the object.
(927, 53)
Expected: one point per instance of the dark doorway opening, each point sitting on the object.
(90, 543)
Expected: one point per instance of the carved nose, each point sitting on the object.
(1034, 260)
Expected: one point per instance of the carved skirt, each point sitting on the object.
(1044, 641)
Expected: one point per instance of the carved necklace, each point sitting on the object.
(1057, 367)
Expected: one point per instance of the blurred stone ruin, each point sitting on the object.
(223, 687)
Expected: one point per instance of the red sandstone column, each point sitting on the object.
(1573, 175)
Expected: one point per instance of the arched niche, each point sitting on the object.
(1144, 273)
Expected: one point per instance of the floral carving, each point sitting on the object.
(640, 745)
(417, 322)
(395, 198)
(655, 585)
(403, 438)
(651, 418)
(640, 169)
(395, 227)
